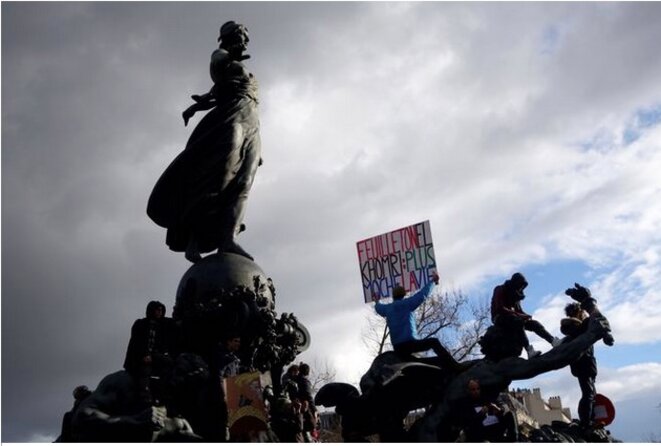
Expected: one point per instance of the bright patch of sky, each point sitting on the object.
(642, 120)
(619, 135)
(550, 40)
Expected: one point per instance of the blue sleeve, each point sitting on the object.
(416, 300)
(380, 308)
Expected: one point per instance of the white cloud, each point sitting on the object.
(41, 438)
(619, 384)
(509, 139)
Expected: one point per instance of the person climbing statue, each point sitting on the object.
(506, 312)
(585, 367)
(400, 317)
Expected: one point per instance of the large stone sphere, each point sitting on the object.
(215, 275)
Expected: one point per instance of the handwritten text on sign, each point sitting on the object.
(403, 257)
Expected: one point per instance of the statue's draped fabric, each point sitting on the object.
(203, 191)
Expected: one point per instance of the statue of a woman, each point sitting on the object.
(201, 197)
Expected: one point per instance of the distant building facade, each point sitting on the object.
(532, 410)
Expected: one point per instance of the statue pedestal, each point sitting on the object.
(224, 294)
(208, 281)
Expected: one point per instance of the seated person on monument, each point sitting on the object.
(400, 317)
(506, 313)
(115, 411)
(151, 347)
(79, 394)
(585, 367)
(482, 419)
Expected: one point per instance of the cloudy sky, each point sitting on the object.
(529, 134)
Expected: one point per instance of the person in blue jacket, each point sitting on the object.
(400, 318)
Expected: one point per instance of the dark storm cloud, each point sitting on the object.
(374, 115)
(91, 97)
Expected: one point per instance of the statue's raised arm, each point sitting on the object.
(201, 197)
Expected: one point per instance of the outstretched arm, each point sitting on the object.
(517, 368)
(203, 102)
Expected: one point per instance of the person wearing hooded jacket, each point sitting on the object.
(152, 346)
(507, 312)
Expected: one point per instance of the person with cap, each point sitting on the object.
(400, 318)
(507, 312)
(152, 345)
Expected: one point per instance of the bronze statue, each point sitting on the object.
(201, 197)
(114, 412)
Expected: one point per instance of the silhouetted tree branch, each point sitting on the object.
(321, 372)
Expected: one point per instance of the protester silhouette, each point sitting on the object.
(507, 313)
(400, 317)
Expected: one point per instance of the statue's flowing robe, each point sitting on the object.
(197, 194)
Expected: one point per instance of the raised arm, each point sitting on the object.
(423, 293)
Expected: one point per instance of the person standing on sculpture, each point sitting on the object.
(585, 367)
(306, 398)
(224, 364)
(496, 376)
(152, 346)
(400, 317)
(201, 197)
(506, 312)
(291, 375)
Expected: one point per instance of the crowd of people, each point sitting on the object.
(154, 343)
(299, 418)
(482, 418)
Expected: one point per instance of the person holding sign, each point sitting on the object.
(401, 323)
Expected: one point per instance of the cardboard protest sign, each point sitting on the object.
(403, 257)
(248, 415)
